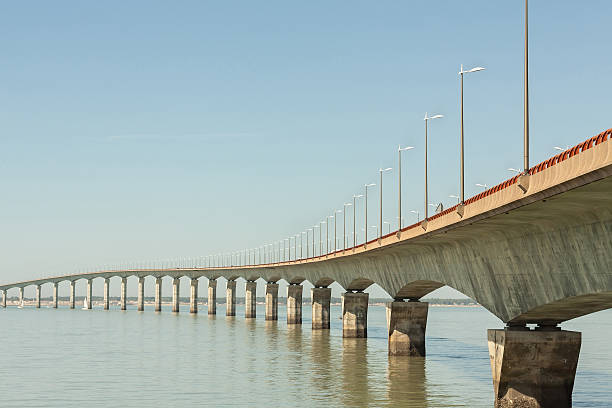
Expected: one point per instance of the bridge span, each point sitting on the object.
(535, 249)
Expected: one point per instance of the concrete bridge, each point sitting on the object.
(535, 249)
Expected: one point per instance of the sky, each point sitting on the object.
(149, 130)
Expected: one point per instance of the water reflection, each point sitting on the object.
(322, 377)
(355, 372)
(406, 382)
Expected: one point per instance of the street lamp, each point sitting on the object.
(344, 224)
(456, 197)
(515, 170)
(329, 217)
(365, 242)
(302, 244)
(526, 98)
(375, 226)
(461, 73)
(336, 229)
(561, 149)
(355, 197)
(483, 186)
(381, 171)
(321, 237)
(427, 119)
(389, 226)
(399, 191)
(307, 251)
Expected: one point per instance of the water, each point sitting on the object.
(75, 358)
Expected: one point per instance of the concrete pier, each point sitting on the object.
(355, 314)
(193, 299)
(176, 294)
(212, 296)
(250, 300)
(72, 293)
(106, 293)
(294, 304)
(158, 294)
(21, 296)
(321, 298)
(88, 294)
(272, 301)
(123, 293)
(406, 324)
(38, 296)
(533, 368)
(141, 282)
(230, 299)
(55, 295)
(4, 298)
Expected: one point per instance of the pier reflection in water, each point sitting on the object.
(70, 358)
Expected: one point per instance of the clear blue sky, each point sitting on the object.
(154, 130)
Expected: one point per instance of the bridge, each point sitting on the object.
(534, 250)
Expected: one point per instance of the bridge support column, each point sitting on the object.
(88, 294)
(321, 298)
(294, 304)
(272, 301)
(406, 323)
(55, 295)
(106, 293)
(123, 293)
(212, 296)
(21, 296)
(355, 314)
(176, 294)
(158, 294)
(250, 300)
(4, 298)
(193, 300)
(72, 293)
(533, 368)
(38, 296)
(230, 299)
(141, 282)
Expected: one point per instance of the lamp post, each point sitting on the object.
(517, 171)
(307, 249)
(355, 197)
(302, 244)
(417, 214)
(381, 171)
(526, 97)
(336, 230)
(296, 246)
(461, 73)
(389, 228)
(321, 237)
(427, 119)
(329, 217)
(313, 241)
(365, 242)
(344, 225)
(483, 186)
(456, 197)
(399, 187)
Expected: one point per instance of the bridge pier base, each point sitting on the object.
(321, 298)
(141, 282)
(123, 294)
(88, 294)
(55, 295)
(294, 304)
(106, 293)
(272, 301)
(355, 314)
(38, 296)
(176, 294)
(72, 293)
(193, 299)
(21, 296)
(250, 300)
(533, 368)
(212, 296)
(158, 294)
(230, 299)
(406, 323)
(4, 298)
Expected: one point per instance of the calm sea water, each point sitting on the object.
(76, 358)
